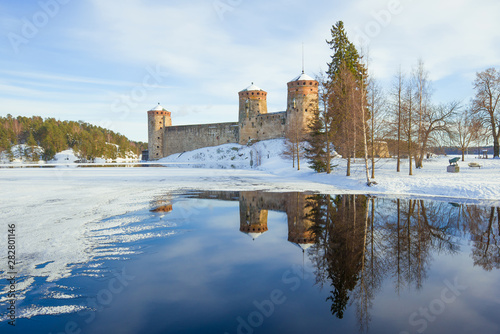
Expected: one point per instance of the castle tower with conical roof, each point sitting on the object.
(302, 101)
(253, 218)
(158, 119)
(253, 102)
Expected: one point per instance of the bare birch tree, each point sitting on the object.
(362, 110)
(398, 92)
(409, 106)
(435, 120)
(466, 129)
(377, 111)
(422, 89)
(294, 140)
(486, 103)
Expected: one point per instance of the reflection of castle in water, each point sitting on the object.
(360, 241)
(254, 208)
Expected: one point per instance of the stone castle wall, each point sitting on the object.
(263, 127)
(254, 122)
(178, 139)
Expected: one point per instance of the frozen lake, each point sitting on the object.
(141, 250)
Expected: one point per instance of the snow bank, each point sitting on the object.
(20, 154)
(231, 155)
(67, 156)
(23, 154)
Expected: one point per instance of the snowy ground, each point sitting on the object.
(20, 156)
(261, 166)
(430, 181)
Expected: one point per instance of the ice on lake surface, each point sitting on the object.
(264, 262)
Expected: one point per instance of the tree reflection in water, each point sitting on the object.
(361, 241)
(358, 241)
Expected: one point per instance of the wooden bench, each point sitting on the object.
(474, 165)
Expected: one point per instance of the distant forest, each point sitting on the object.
(53, 136)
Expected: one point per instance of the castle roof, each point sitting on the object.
(304, 247)
(252, 87)
(158, 108)
(255, 235)
(303, 76)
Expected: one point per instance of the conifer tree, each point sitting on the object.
(32, 148)
(54, 136)
(316, 149)
(339, 121)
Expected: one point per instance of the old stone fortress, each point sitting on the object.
(254, 122)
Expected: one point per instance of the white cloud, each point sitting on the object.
(450, 36)
(100, 50)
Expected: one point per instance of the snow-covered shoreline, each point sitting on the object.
(262, 167)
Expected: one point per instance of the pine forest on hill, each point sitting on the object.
(88, 141)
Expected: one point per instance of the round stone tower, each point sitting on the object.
(158, 119)
(302, 101)
(253, 102)
(253, 218)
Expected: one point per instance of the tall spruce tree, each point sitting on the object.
(344, 52)
(345, 78)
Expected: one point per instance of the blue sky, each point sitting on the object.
(108, 62)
